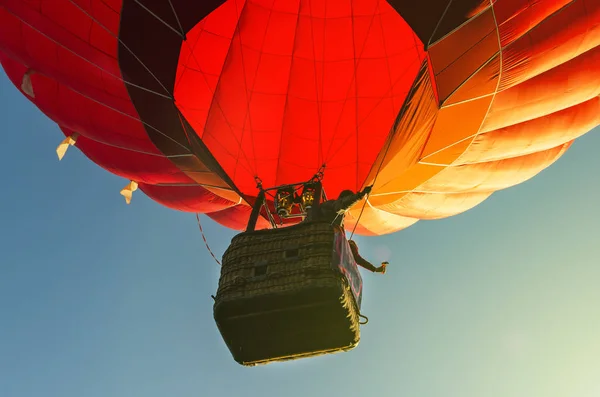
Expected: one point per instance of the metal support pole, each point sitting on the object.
(317, 203)
(256, 211)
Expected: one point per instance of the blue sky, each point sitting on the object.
(99, 299)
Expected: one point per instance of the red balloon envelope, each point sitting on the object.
(440, 102)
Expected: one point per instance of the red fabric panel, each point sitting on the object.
(198, 71)
(139, 167)
(71, 47)
(55, 45)
(276, 88)
(186, 198)
(236, 217)
(302, 84)
(78, 113)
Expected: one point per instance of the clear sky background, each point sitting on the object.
(102, 299)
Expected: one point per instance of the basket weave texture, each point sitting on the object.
(279, 297)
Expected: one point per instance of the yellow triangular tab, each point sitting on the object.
(26, 84)
(64, 145)
(128, 190)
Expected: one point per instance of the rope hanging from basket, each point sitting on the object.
(206, 242)
(365, 317)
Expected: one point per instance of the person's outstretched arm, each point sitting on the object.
(344, 203)
(365, 263)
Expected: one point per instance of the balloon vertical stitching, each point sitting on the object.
(314, 51)
(215, 102)
(339, 120)
(285, 105)
(250, 92)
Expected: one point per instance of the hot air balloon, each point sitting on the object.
(205, 105)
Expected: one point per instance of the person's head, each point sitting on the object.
(345, 193)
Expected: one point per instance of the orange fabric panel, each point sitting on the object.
(462, 53)
(459, 188)
(377, 221)
(562, 37)
(408, 137)
(447, 16)
(483, 6)
(408, 180)
(483, 82)
(433, 205)
(494, 175)
(456, 123)
(517, 17)
(535, 135)
(361, 230)
(448, 155)
(451, 78)
(566, 85)
(548, 98)
(461, 41)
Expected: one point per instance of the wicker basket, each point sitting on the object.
(282, 296)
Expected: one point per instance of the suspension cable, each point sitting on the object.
(206, 242)
(373, 184)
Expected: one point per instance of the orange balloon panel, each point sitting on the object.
(440, 105)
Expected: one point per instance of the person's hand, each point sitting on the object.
(383, 267)
(367, 190)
